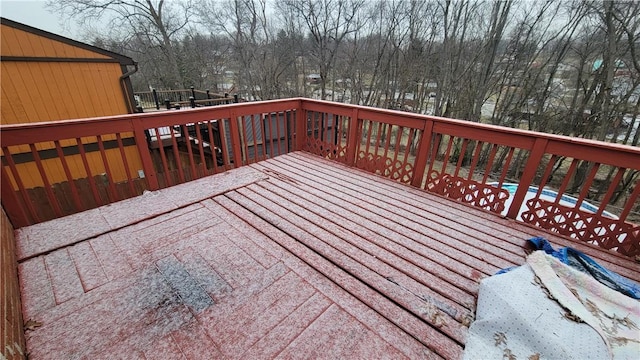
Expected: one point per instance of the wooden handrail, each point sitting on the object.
(453, 158)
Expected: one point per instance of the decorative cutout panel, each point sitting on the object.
(325, 149)
(605, 232)
(385, 166)
(468, 191)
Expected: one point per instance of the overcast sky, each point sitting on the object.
(34, 13)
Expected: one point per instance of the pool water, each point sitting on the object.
(548, 195)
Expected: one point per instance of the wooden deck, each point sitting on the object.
(292, 257)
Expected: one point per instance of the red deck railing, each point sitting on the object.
(469, 162)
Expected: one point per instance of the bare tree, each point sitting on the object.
(153, 23)
(329, 22)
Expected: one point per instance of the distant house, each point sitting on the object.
(313, 78)
(47, 77)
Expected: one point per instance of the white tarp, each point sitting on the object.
(548, 310)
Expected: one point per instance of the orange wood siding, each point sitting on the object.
(16, 42)
(46, 91)
(37, 91)
(12, 343)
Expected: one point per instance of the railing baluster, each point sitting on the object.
(245, 141)
(187, 140)
(223, 139)
(407, 150)
(203, 161)
(369, 125)
(16, 176)
(163, 157)
(630, 203)
(612, 188)
(255, 139)
(212, 146)
(352, 140)
(476, 157)
(235, 139)
(127, 171)
(112, 193)
(70, 180)
(387, 144)
(547, 173)
(176, 153)
(270, 127)
(287, 126)
(434, 156)
(47, 186)
(463, 151)
(396, 151)
(11, 204)
(279, 152)
(87, 169)
(261, 121)
(565, 181)
(492, 156)
(587, 185)
(505, 166)
(445, 161)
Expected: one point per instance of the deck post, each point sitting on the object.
(167, 103)
(145, 154)
(423, 154)
(352, 140)
(192, 101)
(193, 91)
(301, 131)
(535, 158)
(208, 94)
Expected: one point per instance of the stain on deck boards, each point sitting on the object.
(187, 288)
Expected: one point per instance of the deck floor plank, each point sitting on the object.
(300, 258)
(505, 229)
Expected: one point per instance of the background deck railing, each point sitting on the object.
(159, 99)
(60, 168)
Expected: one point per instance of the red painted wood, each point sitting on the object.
(236, 143)
(300, 123)
(10, 203)
(71, 182)
(87, 169)
(505, 167)
(6, 187)
(587, 185)
(223, 139)
(630, 202)
(113, 194)
(212, 146)
(176, 153)
(192, 162)
(163, 157)
(288, 127)
(535, 157)
(125, 162)
(612, 188)
(422, 154)
(353, 139)
(47, 186)
(145, 155)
